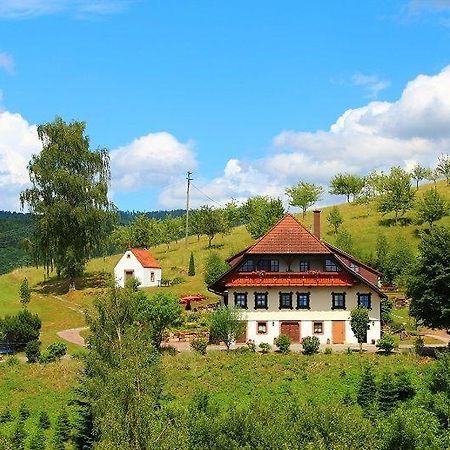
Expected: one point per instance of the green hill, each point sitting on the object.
(61, 310)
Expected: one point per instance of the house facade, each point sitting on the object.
(291, 282)
(140, 264)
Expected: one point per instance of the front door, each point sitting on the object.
(243, 338)
(128, 274)
(291, 329)
(338, 331)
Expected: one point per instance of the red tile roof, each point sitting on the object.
(289, 279)
(146, 258)
(289, 236)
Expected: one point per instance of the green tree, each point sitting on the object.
(215, 267)
(386, 305)
(44, 420)
(381, 252)
(213, 222)
(24, 293)
(68, 198)
(396, 196)
(196, 222)
(63, 427)
(359, 323)
(261, 213)
(38, 440)
(367, 389)
(429, 283)
(431, 207)
(387, 392)
(191, 270)
(399, 262)
(443, 167)
(20, 328)
(335, 218)
(304, 195)
(420, 173)
(404, 387)
(347, 184)
(19, 436)
(226, 325)
(439, 382)
(161, 311)
(344, 240)
(33, 351)
(232, 213)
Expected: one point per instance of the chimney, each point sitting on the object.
(316, 225)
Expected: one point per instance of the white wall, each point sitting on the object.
(320, 303)
(130, 262)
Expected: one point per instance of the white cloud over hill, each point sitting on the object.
(416, 127)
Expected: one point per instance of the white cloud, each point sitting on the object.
(20, 9)
(371, 83)
(18, 141)
(150, 161)
(377, 135)
(6, 62)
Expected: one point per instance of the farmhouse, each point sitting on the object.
(291, 282)
(138, 263)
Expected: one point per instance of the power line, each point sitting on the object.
(207, 196)
(189, 179)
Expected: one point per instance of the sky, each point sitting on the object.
(251, 96)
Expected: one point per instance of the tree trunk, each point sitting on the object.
(348, 198)
(360, 347)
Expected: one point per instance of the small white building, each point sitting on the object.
(140, 264)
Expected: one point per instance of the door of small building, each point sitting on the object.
(291, 329)
(338, 331)
(128, 274)
(243, 338)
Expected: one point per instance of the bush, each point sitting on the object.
(44, 420)
(38, 440)
(405, 389)
(33, 351)
(20, 329)
(328, 351)
(53, 353)
(79, 353)
(19, 436)
(310, 345)
(251, 345)
(265, 347)
(419, 345)
(283, 343)
(199, 345)
(386, 343)
(5, 415)
(12, 360)
(62, 429)
(178, 280)
(215, 267)
(24, 412)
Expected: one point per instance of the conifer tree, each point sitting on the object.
(19, 435)
(44, 420)
(24, 293)
(387, 392)
(405, 389)
(62, 430)
(367, 389)
(191, 271)
(38, 440)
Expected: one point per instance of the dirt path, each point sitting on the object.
(73, 336)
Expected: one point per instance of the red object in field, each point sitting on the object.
(187, 299)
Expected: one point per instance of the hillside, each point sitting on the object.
(61, 310)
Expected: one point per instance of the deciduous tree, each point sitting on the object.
(431, 207)
(304, 195)
(359, 322)
(420, 173)
(261, 213)
(213, 222)
(347, 184)
(443, 167)
(226, 325)
(215, 267)
(335, 218)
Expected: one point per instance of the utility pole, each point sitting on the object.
(189, 179)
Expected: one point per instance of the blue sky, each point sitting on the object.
(241, 92)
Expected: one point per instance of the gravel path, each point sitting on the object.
(73, 336)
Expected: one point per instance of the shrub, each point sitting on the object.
(283, 343)
(310, 345)
(215, 267)
(62, 429)
(251, 345)
(419, 345)
(386, 343)
(53, 353)
(177, 280)
(405, 389)
(328, 351)
(199, 345)
(24, 412)
(5, 415)
(79, 353)
(33, 351)
(226, 325)
(367, 389)
(20, 328)
(12, 360)
(44, 420)
(265, 347)
(387, 392)
(19, 436)
(38, 440)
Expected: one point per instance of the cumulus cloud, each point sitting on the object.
(21, 9)
(376, 136)
(150, 161)
(18, 141)
(371, 83)
(6, 62)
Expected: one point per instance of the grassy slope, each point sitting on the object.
(60, 310)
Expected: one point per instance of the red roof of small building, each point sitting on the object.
(146, 258)
(288, 236)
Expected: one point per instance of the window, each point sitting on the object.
(285, 300)
(261, 327)
(330, 266)
(152, 277)
(318, 327)
(240, 300)
(303, 300)
(247, 266)
(364, 300)
(304, 266)
(338, 300)
(354, 267)
(261, 300)
(268, 265)
(128, 255)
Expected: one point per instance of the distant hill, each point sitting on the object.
(16, 226)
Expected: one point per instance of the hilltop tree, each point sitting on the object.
(232, 214)
(335, 218)
(196, 222)
(359, 323)
(420, 173)
(261, 213)
(169, 230)
(443, 167)
(213, 222)
(68, 198)
(430, 279)
(347, 184)
(396, 195)
(431, 207)
(304, 195)
(24, 293)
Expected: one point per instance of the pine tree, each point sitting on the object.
(191, 271)
(24, 293)
(19, 436)
(367, 389)
(38, 440)
(387, 392)
(44, 420)
(405, 389)
(62, 429)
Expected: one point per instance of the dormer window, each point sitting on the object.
(304, 266)
(331, 266)
(354, 267)
(268, 265)
(247, 266)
